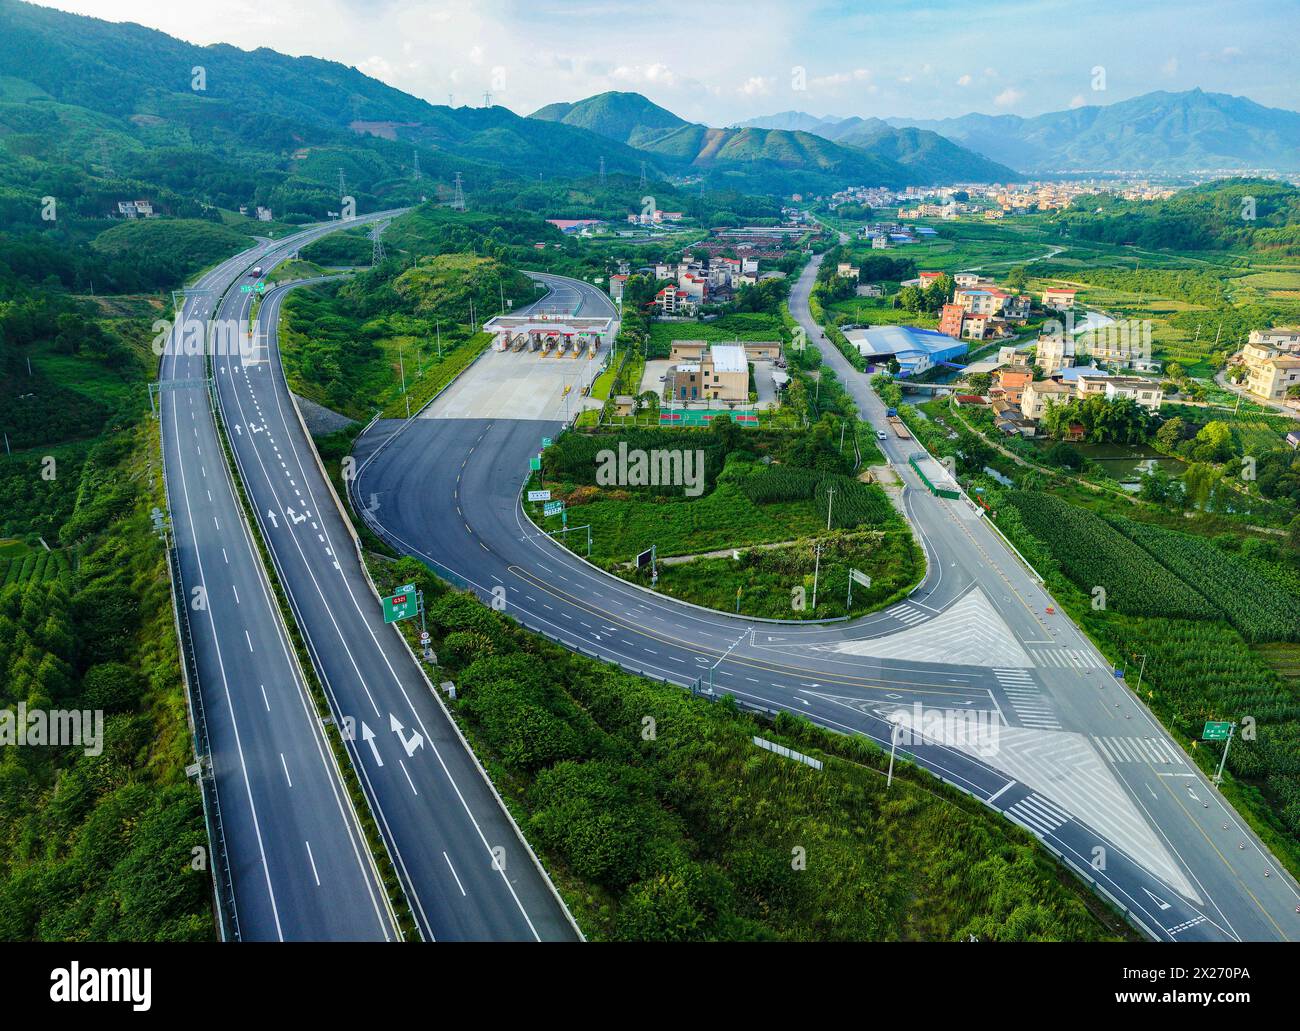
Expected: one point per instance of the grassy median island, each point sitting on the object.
(764, 494)
(660, 820)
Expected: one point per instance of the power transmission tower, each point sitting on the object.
(487, 99)
(343, 190)
(458, 198)
(602, 171)
(415, 164)
(377, 244)
(643, 175)
(451, 99)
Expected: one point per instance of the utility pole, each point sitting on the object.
(415, 164)
(458, 198)
(602, 171)
(830, 502)
(401, 364)
(643, 180)
(342, 186)
(437, 326)
(1141, 670)
(817, 568)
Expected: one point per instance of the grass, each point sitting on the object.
(20, 564)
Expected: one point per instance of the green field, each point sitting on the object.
(20, 564)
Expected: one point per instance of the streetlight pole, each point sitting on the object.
(1141, 669)
(830, 502)
(893, 747)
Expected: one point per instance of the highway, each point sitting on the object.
(1078, 762)
(300, 868)
(465, 869)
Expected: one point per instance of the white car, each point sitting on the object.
(881, 435)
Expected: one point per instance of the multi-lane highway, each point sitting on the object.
(299, 866)
(1076, 759)
(465, 869)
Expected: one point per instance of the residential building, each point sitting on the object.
(1058, 298)
(1055, 351)
(1146, 392)
(1012, 383)
(870, 290)
(1033, 401)
(721, 374)
(950, 320)
(981, 301)
(1287, 339)
(1270, 371)
(975, 326)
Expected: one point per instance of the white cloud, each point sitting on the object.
(1009, 97)
(1078, 100)
(755, 86)
(965, 80)
(1170, 67)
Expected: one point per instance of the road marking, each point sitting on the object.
(286, 769)
(312, 859)
(453, 873)
(408, 776)
(264, 698)
(249, 640)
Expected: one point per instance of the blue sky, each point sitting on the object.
(720, 63)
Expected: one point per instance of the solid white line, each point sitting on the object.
(997, 794)
(286, 770)
(408, 777)
(453, 873)
(265, 700)
(312, 860)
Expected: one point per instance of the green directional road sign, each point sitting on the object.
(552, 508)
(1216, 730)
(535, 463)
(546, 442)
(402, 605)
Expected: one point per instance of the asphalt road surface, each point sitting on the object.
(300, 869)
(465, 869)
(1073, 756)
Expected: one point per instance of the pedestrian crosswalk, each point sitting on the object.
(1030, 707)
(905, 613)
(1143, 750)
(1038, 813)
(1065, 658)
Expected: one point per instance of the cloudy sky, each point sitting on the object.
(723, 62)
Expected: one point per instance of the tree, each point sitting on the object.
(1017, 279)
(1170, 434)
(1213, 442)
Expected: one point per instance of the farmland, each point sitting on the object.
(1093, 554)
(20, 564)
(1257, 608)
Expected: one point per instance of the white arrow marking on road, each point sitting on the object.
(368, 736)
(1157, 900)
(271, 516)
(238, 430)
(411, 744)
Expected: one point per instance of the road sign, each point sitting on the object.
(402, 605)
(645, 558)
(539, 495)
(546, 442)
(1216, 730)
(424, 637)
(535, 463)
(552, 508)
(860, 577)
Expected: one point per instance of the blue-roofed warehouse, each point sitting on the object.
(915, 349)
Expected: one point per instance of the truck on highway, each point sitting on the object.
(896, 424)
(257, 271)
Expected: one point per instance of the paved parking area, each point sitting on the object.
(518, 385)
